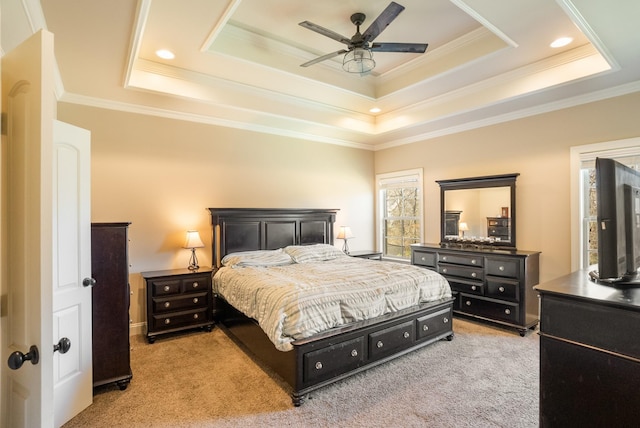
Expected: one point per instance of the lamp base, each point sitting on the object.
(193, 261)
(345, 247)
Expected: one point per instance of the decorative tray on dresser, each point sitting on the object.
(490, 284)
(178, 300)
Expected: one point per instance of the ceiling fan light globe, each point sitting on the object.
(358, 60)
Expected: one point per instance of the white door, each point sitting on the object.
(30, 242)
(72, 370)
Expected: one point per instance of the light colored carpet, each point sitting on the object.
(485, 377)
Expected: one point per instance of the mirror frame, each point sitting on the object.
(504, 180)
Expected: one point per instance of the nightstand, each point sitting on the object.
(367, 254)
(177, 300)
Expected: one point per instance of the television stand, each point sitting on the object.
(627, 281)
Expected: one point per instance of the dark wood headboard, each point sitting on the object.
(248, 229)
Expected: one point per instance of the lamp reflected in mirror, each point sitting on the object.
(463, 227)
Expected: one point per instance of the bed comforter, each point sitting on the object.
(297, 300)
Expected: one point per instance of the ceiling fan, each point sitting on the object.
(358, 58)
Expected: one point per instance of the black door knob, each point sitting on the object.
(17, 359)
(63, 345)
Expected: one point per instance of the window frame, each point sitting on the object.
(391, 177)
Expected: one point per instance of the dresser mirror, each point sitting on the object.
(479, 211)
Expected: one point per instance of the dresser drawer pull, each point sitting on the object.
(167, 288)
(425, 327)
(379, 344)
(354, 353)
(445, 320)
(195, 300)
(473, 287)
(167, 304)
(167, 320)
(507, 311)
(473, 274)
(444, 258)
(501, 289)
(444, 270)
(473, 262)
(318, 365)
(406, 335)
(195, 284)
(196, 316)
(501, 268)
(423, 259)
(468, 302)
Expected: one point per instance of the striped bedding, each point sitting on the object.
(297, 300)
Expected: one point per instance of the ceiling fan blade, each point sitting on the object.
(382, 21)
(323, 57)
(399, 47)
(326, 32)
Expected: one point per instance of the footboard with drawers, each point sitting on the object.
(494, 285)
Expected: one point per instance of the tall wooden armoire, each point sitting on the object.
(110, 269)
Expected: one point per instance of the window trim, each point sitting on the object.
(578, 154)
(380, 204)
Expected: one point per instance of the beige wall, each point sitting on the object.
(538, 149)
(162, 174)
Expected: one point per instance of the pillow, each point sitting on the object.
(312, 253)
(258, 258)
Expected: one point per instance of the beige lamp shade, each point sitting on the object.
(345, 233)
(463, 226)
(193, 240)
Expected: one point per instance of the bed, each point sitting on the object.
(341, 345)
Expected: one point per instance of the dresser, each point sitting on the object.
(110, 304)
(178, 300)
(589, 353)
(489, 284)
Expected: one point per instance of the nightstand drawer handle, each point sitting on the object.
(468, 303)
(445, 320)
(507, 311)
(473, 262)
(473, 274)
(167, 288)
(423, 258)
(473, 287)
(167, 304)
(406, 335)
(354, 353)
(195, 300)
(444, 270)
(425, 327)
(167, 320)
(501, 289)
(444, 258)
(195, 284)
(195, 316)
(318, 365)
(379, 344)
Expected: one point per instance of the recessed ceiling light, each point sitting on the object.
(165, 54)
(375, 110)
(562, 41)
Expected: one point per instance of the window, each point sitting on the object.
(626, 152)
(399, 212)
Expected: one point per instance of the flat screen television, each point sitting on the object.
(618, 215)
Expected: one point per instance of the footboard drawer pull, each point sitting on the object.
(167, 320)
(379, 344)
(167, 304)
(445, 320)
(318, 365)
(406, 335)
(425, 327)
(354, 352)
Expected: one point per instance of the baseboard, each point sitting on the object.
(137, 328)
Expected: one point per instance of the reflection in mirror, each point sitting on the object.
(479, 210)
(474, 208)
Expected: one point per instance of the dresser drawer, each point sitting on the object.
(166, 287)
(179, 319)
(422, 258)
(196, 283)
(461, 271)
(168, 304)
(433, 324)
(500, 288)
(386, 341)
(466, 286)
(466, 260)
(333, 360)
(503, 267)
(489, 308)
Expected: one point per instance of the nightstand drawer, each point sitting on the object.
(179, 319)
(163, 288)
(197, 283)
(168, 304)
